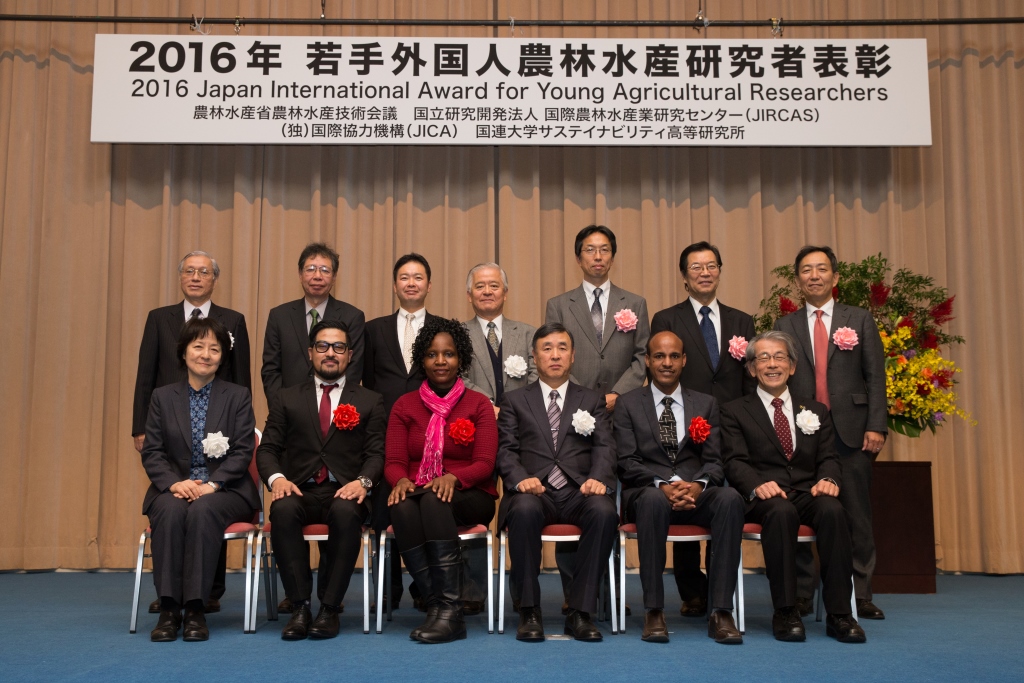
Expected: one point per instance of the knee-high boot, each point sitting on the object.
(419, 569)
(445, 558)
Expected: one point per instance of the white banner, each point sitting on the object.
(482, 91)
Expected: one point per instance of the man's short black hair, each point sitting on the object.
(810, 249)
(695, 247)
(459, 334)
(318, 249)
(590, 230)
(413, 256)
(197, 328)
(328, 324)
(549, 329)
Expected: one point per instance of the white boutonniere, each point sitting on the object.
(232, 338)
(583, 422)
(516, 367)
(215, 445)
(807, 421)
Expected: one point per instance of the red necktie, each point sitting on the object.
(325, 424)
(821, 361)
(782, 429)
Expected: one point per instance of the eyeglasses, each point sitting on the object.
(339, 347)
(763, 358)
(698, 267)
(203, 273)
(324, 270)
(603, 251)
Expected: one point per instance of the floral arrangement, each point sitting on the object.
(910, 311)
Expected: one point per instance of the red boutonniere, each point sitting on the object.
(462, 431)
(346, 416)
(699, 429)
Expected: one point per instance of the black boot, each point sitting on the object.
(445, 560)
(416, 562)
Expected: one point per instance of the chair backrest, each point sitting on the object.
(257, 518)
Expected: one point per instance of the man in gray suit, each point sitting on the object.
(611, 329)
(845, 370)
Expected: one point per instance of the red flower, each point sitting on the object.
(923, 389)
(462, 431)
(907, 321)
(835, 293)
(942, 313)
(879, 294)
(929, 341)
(345, 416)
(699, 429)
(786, 305)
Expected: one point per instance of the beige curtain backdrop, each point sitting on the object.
(90, 237)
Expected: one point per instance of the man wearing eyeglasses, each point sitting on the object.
(159, 364)
(285, 344)
(706, 327)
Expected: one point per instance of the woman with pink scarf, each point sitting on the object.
(440, 449)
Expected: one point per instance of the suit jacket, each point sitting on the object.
(731, 379)
(642, 458)
(617, 365)
(753, 453)
(159, 364)
(384, 365)
(294, 445)
(525, 448)
(167, 455)
(516, 338)
(472, 463)
(286, 344)
(856, 378)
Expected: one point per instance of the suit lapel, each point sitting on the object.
(840, 317)
(538, 406)
(573, 399)
(616, 302)
(183, 414)
(727, 320)
(756, 409)
(298, 316)
(803, 337)
(581, 311)
(481, 357)
(690, 322)
(216, 407)
(689, 412)
(650, 411)
(394, 344)
(346, 397)
(175, 320)
(314, 409)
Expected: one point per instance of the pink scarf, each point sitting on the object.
(440, 407)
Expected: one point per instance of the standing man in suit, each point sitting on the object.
(848, 376)
(707, 327)
(669, 449)
(159, 364)
(388, 368)
(612, 327)
(322, 453)
(556, 458)
(780, 455)
(286, 342)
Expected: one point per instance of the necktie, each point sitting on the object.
(492, 337)
(556, 477)
(197, 313)
(314, 317)
(597, 316)
(782, 428)
(407, 339)
(707, 329)
(325, 424)
(821, 361)
(667, 425)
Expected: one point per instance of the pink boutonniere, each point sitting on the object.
(845, 338)
(738, 347)
(625, 320)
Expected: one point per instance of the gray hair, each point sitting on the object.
(216, 268)
(480, 266)
(783, 338)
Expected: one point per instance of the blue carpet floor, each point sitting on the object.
(74, 627)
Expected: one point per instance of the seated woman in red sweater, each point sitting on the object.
(440, 451)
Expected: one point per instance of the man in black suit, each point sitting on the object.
(556, 458)
(850, 381)
(712, 369)
(669, 450)
(285, 344)
(160, 366)
(322, 452)
(388, 368)
(780, 455)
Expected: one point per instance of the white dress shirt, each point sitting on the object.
(606, 290)
(716, 317)
(335, 400)
(679, 414)
(497, 326)
(546, 391)
(204, 309)
(826, 319)
(321, 311)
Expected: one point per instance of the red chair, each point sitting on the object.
(466, 533)
(238, 531)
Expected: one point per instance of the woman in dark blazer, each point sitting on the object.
(199, 442)
(440, 450)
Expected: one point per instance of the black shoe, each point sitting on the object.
(579, 626)
(212, 605)
(154, 607)
(428, 623)
(194, 628)
(447, 627)
(445, 561)
(722, 627)
(297, 627)
(787, 626)
(472, 607)
(805, 606)
(694, 607)
(167, 626)
(867, 610)
(844, 628)
(325, 625)
(419, 569)
(655, 630)
(531, 625)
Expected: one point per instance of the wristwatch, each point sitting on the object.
(366, 482)
(215, 485)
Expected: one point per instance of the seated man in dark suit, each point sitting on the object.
(556, 458)
(780, 455)
(669, 449)
(321, 454)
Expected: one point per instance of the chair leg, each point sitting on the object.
(502, 550)
(257, 570)
(622, 582)
(138, 583)
(366, 580)
(611, 591)
(853, 599)
(490, 581)
(272, 587)
(741, 608)
(382, 563)
(247, 619)
(389, 547)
